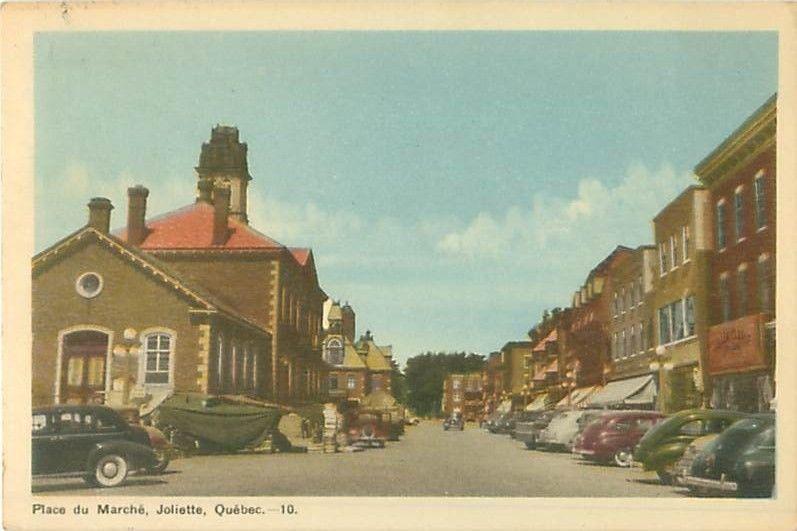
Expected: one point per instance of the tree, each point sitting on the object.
(425, 374)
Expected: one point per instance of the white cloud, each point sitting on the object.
(598, 214)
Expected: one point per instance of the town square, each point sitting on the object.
(410, 264)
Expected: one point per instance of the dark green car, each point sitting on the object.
(662, 446)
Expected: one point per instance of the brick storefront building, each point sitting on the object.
(462, 394)
(740, 176)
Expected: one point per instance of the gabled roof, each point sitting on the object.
(374, 358)
(301, 254)
(351, 360)
(150, 265)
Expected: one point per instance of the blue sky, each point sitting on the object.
(452, 185)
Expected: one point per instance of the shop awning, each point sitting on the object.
(538, 404)
(617, 392)
(504, 407)
(577, 396)
(646, 395)
(539, 376)
(553, 367)
(550, 338)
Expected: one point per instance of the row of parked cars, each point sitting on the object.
(705, 450)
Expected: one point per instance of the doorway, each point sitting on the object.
(83, 367)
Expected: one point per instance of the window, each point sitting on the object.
(246, 369)
(219, 361)
(738, 214)
(725, 298)
(741, 291)
(351, 383)
(629, 297)
(721, 225)
(637, 333)
(615, 305)
(689, 315)
(157, 354)
(677, 315)
(764, 282)
(235, 371)
(40, 423)
(674, 251)
(663, 258)
(643, 337)
(685, 242)
(455, 384)
(694, 428)
(376, 382)
(255, 381)
(639, 290)
(615, 347)
(622, 301)
(760, 202)
(89, 285)
(664, 325)
(334, 351)
(622, 344)
(333, 383)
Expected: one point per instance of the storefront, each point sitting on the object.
(638, 392)
(739, 364)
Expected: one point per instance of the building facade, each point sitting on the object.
(112, 325)
(514, 355)
(210, 246)
(462, 394)
(741, 177)
(683, 239)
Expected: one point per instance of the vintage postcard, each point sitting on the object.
(398, 265)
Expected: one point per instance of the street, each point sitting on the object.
(428, 461)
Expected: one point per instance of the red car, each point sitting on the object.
(612, 436)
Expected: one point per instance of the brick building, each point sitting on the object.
(462, 394)
(210, 248)
(679, 302)
(740, 177)
(513, 356)
(355, 369)
(547, 363)
(492, 382)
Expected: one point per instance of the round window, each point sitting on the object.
(89, 285)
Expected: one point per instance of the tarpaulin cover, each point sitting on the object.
(538, 404)
(226, 423)
(618, 391)
(576, 396)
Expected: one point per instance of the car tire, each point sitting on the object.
(110, 470)
(665, 477)
(160, 465)
(623, 457)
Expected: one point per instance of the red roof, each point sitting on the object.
(301, 254)
(550, 338)
(191, 227)
(553, 367)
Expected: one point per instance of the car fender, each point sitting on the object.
(138, 454)
(665, 454)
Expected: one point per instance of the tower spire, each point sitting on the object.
(222, 161)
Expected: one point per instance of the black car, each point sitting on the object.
(741, 461)
(90, 441)
(455, 422)
(521, 416)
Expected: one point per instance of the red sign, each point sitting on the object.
(736, 346)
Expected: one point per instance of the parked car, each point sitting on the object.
(661, 447)
(500, 424)
(90, 441)
(454, 422)
(612, 436)
(564, 427)
(528, 431)
(520, 416)
(367, 429)
(740, 461)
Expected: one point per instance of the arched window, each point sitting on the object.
(157, 358)
(334, 351)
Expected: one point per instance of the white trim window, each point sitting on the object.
(685, 242)
(741, 290)
(720, 222)
(622, 344)
(764, 283)
(725, 297)
(760, 201)
(677, 320)
(663, 258)
(219, 362)
(629, 300)
(351, 382)
(673, 251)
(622, 301)
(158, 348)
(738, 214)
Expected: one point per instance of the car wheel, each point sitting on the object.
(161, 463)
(665, 477)
(110, 470)
(623, 457)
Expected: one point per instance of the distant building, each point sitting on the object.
(355, 369)
(462, 394)
(547, 377)
(492, 382)
(740, 175)
(514, 355)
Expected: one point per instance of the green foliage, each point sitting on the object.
(425, 374)
(398, 385)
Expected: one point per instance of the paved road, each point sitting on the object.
(427, 462)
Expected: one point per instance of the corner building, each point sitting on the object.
(740, 175)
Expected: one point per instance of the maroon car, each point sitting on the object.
(612, 436)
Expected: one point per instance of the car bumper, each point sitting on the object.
(713, 484)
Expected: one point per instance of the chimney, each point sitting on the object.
(136, 214)
(100, 214)
(221, 204)
(205, 190)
